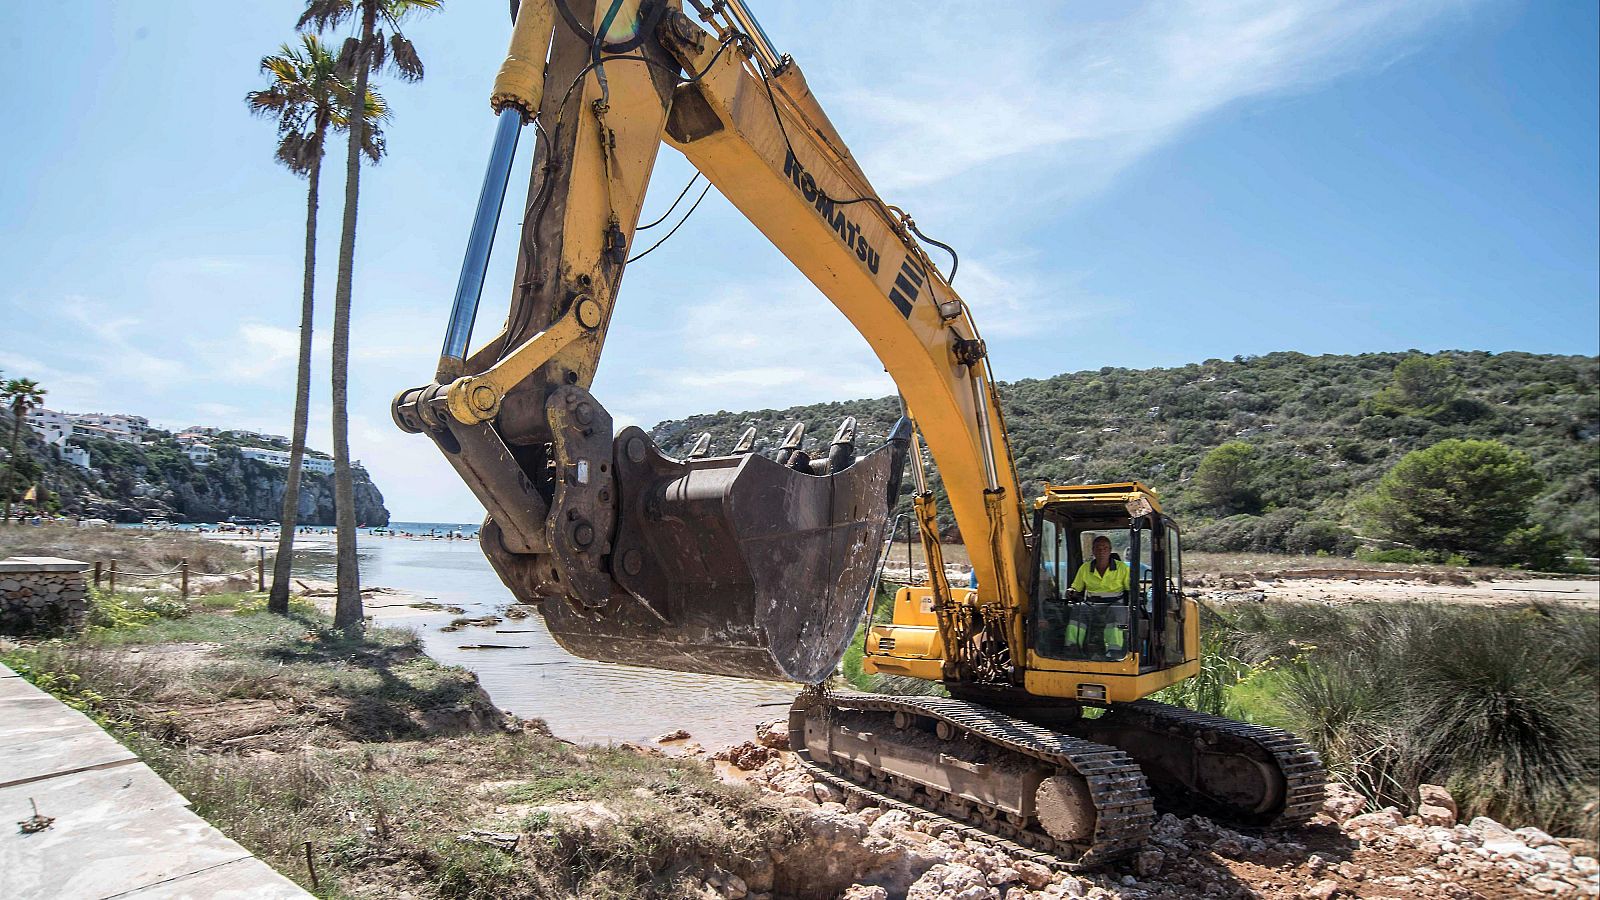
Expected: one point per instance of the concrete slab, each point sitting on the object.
(7, 673)
(115, 831)
(18, 688)
(41, 737)
(247, 879)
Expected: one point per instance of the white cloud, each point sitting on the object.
(1084, 99)
(116, 342)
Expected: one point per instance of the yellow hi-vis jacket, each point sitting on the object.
(1114, 581)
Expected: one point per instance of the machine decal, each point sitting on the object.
(907, 283)
(849, 231)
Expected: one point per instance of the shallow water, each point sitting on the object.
(583, 701)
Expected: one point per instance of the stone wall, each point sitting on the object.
(42, 594)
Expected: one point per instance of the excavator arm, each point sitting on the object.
(741, 564)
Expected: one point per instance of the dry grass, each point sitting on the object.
(135, 549)
(284, 731)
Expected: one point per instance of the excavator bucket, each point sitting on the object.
(727, 565)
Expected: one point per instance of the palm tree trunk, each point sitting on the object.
(278, 600)
(347, 611)
(11, 463)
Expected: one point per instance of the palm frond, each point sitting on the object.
(349, 54)
(302, 96)
(372, 144)
(321, 15)
(407, 64)
(377, 51)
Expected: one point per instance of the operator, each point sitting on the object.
(1102, 581)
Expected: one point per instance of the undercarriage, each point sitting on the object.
(1077, 793)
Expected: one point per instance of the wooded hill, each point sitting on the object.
(1320, 431)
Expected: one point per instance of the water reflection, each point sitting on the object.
(581, 700)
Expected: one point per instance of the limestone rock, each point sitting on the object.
(774, 735)
(952, 881)
(1341, 803)
(1147, 864)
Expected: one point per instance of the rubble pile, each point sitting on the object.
(845, 848)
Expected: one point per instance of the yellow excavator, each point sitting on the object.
(762, 563)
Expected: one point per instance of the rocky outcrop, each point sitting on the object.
(128, 483)
(234, 486)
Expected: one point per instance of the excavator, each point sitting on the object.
(763, 563)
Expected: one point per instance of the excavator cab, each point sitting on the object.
(1144, 620)
(1093, 646)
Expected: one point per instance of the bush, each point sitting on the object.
(1496, 704)
(1314, 536)
(109, 612)
(1457, 496)
(1537, 548)
(1225, 478)
(1280, 531)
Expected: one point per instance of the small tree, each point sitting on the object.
(1422, 386)
(22, 394)
(1225, 479)
(1458, 496)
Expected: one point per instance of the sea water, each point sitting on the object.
(581, 700)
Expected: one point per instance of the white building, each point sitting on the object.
(200, 454)
(85, 431)
(54, 427)
(58, 427)
(270, 457)
(280, 458)
(134, 426)
(76, 455)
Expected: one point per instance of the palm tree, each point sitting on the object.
(23, 394)
(360, 56)
(306, 97)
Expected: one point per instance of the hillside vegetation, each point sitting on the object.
(134, 482)
(1298, 444)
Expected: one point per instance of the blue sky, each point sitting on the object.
(1213, 179)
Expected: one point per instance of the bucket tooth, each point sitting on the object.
(702, 446)
(747, 442)
(842, 450)
(791, 443)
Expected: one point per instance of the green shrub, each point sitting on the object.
(1458, 496)
(1496, 704)
(112, 612)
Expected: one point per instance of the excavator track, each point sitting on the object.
(1293, 802)
(1123, 806)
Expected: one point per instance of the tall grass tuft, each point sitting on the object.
(1498, 705)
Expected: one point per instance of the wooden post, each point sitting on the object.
(261, 568)
(113, 576)
(97, 565)
(183, 577)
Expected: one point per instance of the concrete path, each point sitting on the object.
(119, 830)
